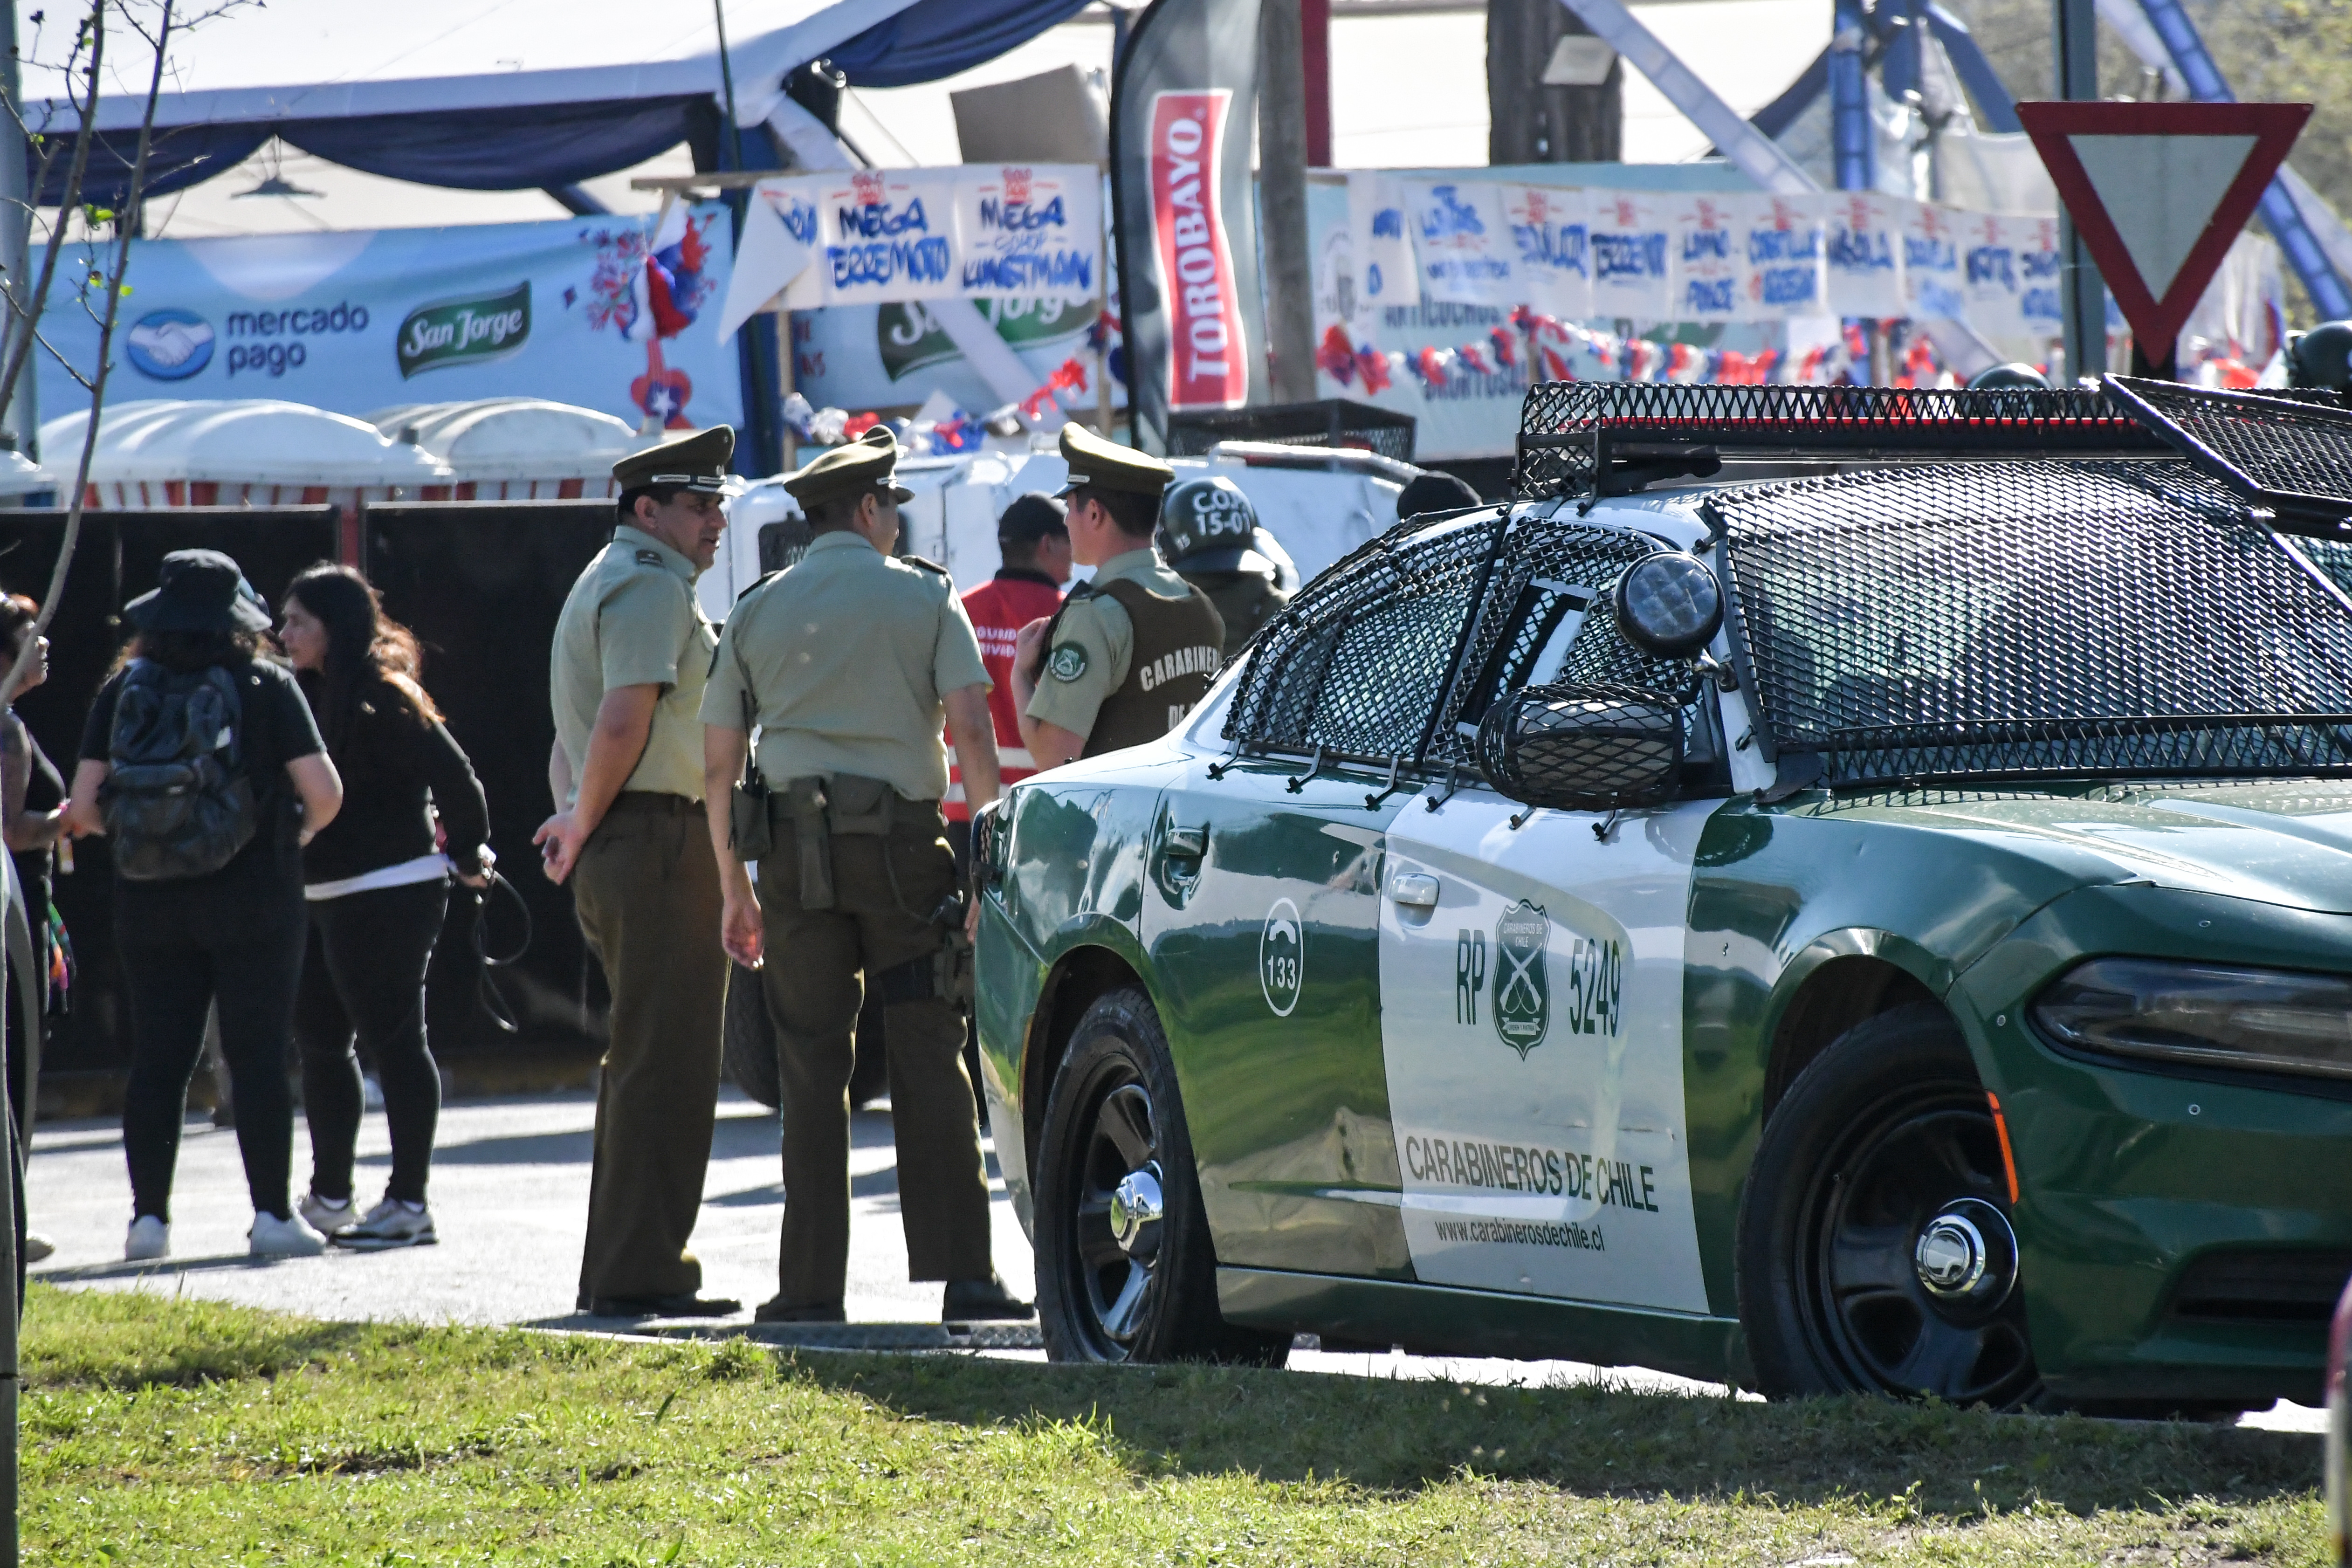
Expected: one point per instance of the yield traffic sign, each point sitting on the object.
(2158, 191)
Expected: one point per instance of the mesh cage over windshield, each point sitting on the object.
(2025, 620)
(1546, 619)
(2293, 454)
(1356, 663)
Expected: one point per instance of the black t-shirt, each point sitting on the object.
(273, 728)
(398, 769)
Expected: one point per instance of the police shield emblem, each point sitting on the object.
(1522, 1004)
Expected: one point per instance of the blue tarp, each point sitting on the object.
(527, 146)
(935, 39)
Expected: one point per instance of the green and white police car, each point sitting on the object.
(1881, 922)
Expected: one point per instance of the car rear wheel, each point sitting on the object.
(1126, 1270)
(1875, 1250)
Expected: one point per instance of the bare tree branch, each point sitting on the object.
(20, 347)
(125, 231)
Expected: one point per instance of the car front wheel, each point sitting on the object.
(1126, 1270)
(1875, 1249)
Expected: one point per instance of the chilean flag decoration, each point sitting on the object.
(665, 297)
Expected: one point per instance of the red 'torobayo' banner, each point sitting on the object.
(1207, 351)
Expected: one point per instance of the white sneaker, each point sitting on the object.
(392, 1223)
(149, 1237)
(273, 1238)
(38, 1248)
(326, 1215)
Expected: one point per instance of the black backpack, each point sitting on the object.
(177, 801)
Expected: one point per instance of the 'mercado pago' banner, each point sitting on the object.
(591, 311)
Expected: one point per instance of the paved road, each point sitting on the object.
(509, 1197)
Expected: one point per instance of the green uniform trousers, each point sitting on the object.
(646, 888)
(814, 989)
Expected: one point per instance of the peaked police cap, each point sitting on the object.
(1097, 464)
(696, 462)
(868, 463)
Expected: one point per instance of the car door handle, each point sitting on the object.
(1185, 843)
(1415, 889)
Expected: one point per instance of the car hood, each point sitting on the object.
(2281, 841)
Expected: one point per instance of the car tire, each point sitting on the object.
(1886, 1136)
(748, 1045)
(1114, 1139)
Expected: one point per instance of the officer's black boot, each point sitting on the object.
(981, 1300)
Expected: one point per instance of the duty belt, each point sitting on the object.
(822, 807)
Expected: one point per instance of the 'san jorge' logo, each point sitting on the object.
(1522, 1005)
(464, 332)
(1282, 957)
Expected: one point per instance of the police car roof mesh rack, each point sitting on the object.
(2292, 454)
(2028, 622)
(1611, 438)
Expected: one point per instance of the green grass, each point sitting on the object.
(162, 1432)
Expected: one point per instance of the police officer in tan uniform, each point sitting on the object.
(1133, 649)
(632, 653)
(848, 664)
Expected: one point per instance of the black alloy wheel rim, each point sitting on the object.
(1919, 1154)
(1116, 1136)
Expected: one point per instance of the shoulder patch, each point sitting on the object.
(650, 558)
(926, 565)
(1067, 661)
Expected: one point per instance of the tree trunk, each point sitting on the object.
(1533, 124)
(1282, 203)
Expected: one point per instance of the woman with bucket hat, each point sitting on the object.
(203, 768)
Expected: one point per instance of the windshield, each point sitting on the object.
(2021, 620)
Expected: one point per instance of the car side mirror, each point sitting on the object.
(1582, 748)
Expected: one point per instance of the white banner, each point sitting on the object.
(1381, 244)
(879, 236)
(1551, 228)
(1465, 250)
(1785, 249)
(1712, 277)
(1863, 254)
(1632, 270)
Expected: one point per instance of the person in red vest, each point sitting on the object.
(1035, 542)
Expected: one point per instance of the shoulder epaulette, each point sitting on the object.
(765, 578)
(651, 558)
(926, 565)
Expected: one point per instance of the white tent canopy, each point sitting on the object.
(310, 59)
(511, 437)
(243, 443)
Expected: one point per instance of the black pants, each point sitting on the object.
(365, 972)
(182, 948)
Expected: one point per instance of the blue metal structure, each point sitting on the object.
(1852, 139)
(2279, 212)
(1885, 39)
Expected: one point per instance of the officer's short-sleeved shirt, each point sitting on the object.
(632, 620)
(1094, 642)
(847, 658)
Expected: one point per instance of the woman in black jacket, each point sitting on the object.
(378, 886)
